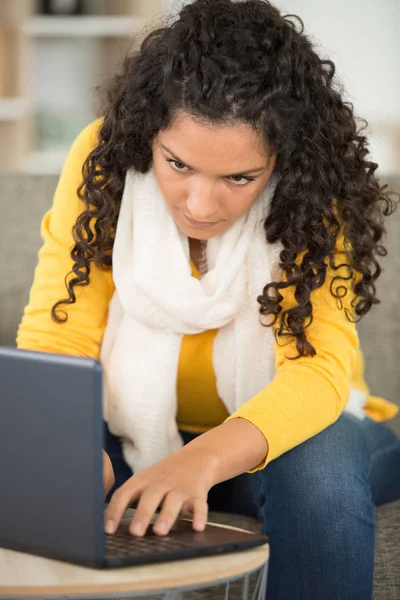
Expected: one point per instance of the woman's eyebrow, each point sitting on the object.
(248, 172)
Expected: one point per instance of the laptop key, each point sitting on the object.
(122, 543)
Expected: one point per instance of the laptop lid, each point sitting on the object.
(51, 435)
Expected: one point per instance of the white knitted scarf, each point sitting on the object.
(157, 301)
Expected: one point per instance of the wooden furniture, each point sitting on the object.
(25, 575)
(44, 61)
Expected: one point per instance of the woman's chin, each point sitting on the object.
(198, 235)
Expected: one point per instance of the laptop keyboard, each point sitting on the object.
(122, 543)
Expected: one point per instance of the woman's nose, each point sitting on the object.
(202, 203)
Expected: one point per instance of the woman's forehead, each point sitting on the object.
(223, 146)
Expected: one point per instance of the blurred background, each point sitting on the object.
(53, 54)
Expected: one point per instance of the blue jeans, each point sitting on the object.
(317, 504)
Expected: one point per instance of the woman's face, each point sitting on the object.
(210, 175)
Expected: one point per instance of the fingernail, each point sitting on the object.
(200, 525)
(109, 528)
(137, 529)
(161, 527)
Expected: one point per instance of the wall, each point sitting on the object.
(362, 38)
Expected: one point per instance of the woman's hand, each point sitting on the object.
(108, 474)
(180, 483)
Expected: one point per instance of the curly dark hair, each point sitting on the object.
(228, 62)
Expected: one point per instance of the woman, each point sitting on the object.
(223, 242)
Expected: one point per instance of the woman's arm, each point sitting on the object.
(81, 335)
(307, 394)
(228, 450)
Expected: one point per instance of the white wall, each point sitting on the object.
(362, 37)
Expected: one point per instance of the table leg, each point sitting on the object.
(263, 586)
(245, 592)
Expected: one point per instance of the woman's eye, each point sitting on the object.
(241, 179)
(175, 164)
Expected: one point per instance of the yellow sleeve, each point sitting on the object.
(307, 394)
(82, 333)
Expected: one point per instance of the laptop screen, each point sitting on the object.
(51, 437)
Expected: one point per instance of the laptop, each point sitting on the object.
(51, 471)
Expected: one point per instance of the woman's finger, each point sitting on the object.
(108, 474)
(171, 508)
(149, 502)
(119, 502)
(198, 507)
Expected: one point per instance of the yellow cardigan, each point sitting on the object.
(305, 396)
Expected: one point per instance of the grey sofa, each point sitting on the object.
(23, 201)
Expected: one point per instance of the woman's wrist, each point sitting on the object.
(229, 450)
